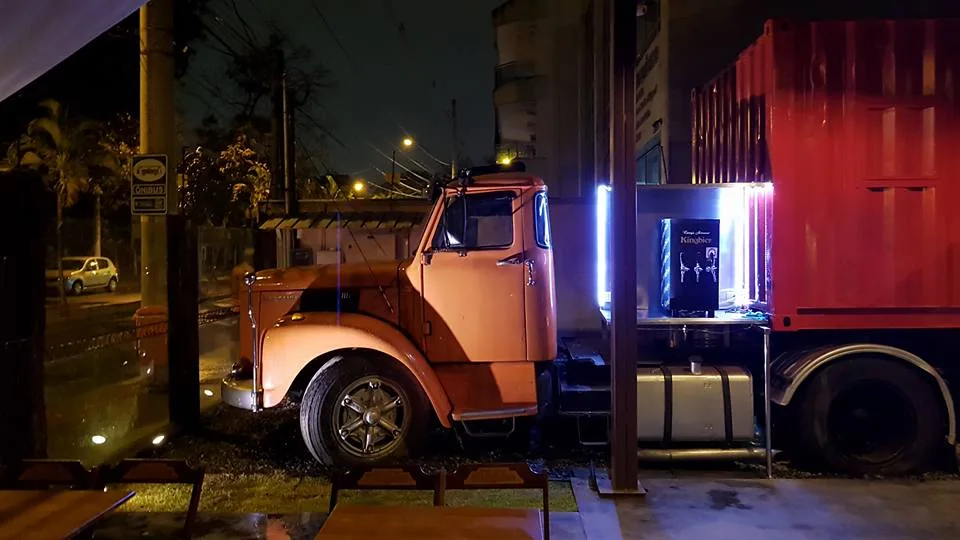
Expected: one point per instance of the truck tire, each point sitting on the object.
(360, 412)
(869, 416)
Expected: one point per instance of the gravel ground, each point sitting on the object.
(239, 442)
(234, 441)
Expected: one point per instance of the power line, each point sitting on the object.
(360, 139)
(320, 126)
(401, 165)
(353, 64)
(309, 153)
(247, 29)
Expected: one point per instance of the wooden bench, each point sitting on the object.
(403, 478)
(159, 471)
(55, 513)
(439, 521)
(503, 476)
(35, 474)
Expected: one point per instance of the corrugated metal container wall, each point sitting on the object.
(856, 125)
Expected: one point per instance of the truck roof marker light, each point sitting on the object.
(603, 222)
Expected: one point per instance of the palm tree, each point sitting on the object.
(69, 151)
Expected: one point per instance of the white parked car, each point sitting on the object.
(82, 273)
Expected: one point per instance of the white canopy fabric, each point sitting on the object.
(36, 35)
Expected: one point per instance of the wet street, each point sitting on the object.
(92, 300)
(100, 402)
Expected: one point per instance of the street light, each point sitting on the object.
(359, 186)
(407, 143)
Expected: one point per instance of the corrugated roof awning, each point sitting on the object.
(358, 221)
(271, 224)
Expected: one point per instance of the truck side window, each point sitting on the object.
(476, 221)
(541, 220)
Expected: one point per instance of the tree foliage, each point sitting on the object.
(120, 140)
(225, 187)
(69, 152)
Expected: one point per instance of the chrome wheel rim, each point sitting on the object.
(370, 417)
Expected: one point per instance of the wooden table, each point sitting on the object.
(49, 515)
(424, 522)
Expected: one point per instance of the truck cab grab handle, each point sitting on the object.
(517, 258)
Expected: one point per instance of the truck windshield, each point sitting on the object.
(476, 221)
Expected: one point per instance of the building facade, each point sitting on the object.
(540, 89)
(553, 76)
(681, 45)
(552, 84)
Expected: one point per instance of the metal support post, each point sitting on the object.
(623, 462)
(183, 299)
(767, 423)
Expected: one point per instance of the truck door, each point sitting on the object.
(539, 283)
(474, 279)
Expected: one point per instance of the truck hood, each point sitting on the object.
(373, 274)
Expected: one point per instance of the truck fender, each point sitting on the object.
(296, 340)
(790, 370)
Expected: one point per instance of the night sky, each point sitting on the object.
(393, 84)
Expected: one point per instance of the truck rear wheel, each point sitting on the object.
(358, 412)
(870, 416)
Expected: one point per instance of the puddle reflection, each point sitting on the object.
(102, 402)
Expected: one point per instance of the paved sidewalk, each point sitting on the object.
(747, 509)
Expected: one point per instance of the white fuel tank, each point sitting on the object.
(677, 405)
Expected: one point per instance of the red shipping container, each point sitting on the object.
(856, 125)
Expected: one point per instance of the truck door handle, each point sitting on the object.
(531, 272)
(512, 260)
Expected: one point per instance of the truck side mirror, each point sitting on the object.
(426, 257)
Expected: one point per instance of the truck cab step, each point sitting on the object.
(587, 371)
(584, 399)
(593, 431)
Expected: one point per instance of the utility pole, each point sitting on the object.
(290, 203)
(157, 136)
(623, 376)
(456, 144)
(97, 223)
(277, 127)
(393, 167)
(283, 181)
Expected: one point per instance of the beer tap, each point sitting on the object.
(683, 268)
(712, 267)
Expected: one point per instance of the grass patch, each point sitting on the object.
(281, 494)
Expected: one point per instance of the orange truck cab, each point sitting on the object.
(376, 352)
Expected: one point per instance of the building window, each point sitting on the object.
(476, 221)
(541, 220)
(650, 166)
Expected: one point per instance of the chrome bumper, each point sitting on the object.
(237, 393)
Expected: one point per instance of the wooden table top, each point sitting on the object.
(54, 514)
(423, 522)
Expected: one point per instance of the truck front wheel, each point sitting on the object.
(359, 412)
(870, 416)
